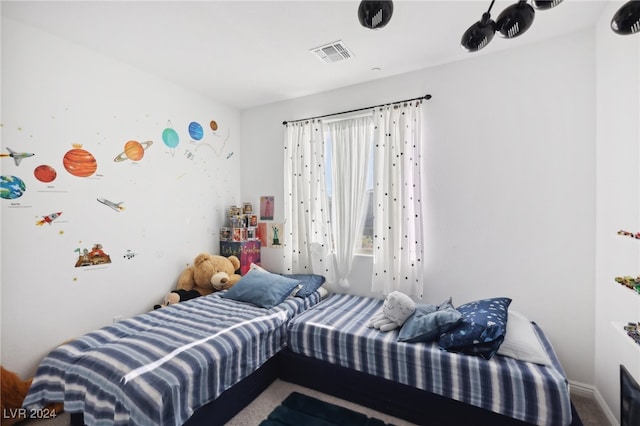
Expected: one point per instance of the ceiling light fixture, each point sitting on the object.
(545, 4)
(515, 19)
(512, 22)
(481, 33)
(627, 19)
(375, 14)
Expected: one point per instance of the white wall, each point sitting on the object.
(510, 173)
(618, 205)
(55, 94)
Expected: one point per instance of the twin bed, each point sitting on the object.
(202, 361)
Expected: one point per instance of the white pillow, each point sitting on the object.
(323, 292)
(521, 341)
(258, 267)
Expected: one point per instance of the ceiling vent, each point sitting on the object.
(333, 52)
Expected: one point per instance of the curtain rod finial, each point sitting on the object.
(427, 97)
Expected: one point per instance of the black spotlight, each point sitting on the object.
(481, 33)
(375, 14)
(545, 4)
(627, 19)
(515, 19)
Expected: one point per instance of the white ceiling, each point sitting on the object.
(249, 53)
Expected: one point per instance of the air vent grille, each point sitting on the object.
(332, 52)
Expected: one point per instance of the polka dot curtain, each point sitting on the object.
(307, 221)
(398, 248)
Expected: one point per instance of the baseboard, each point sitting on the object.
(587, 391)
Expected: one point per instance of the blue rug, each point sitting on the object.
(302, 410)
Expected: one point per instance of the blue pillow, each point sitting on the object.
(263, 289)
(310, 283)
(428, 322)
(482, 330)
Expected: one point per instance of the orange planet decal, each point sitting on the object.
(213, 125)
(79, 162)
(45, 173)
(133, 150)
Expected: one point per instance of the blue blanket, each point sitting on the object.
(336, 331)
(159, 367)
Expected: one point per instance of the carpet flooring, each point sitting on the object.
(299, 409)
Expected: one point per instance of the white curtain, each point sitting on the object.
(306, 213)
(351, 147)
(397, 230)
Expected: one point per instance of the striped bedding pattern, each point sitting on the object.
(158, 368)
(336, 331)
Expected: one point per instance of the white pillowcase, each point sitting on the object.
(521, 341)
(258, 267)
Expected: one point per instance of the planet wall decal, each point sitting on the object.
(11, 187)
(45, 173)
(170, 137)
(133, 150)
(195, 131)
(213, 125)
(79, 162)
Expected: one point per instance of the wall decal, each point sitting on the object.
(11, 187)
(170, 138)
(129, 255)
(115, 206)
(96, 256)
(195, 131)
(17, 156)
(218, 151)
(79, 162)
(45, 173)
(629, 234)
(133, 150)
(48, 218)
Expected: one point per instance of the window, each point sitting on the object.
(365, 243)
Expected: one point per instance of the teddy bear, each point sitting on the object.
(209, 273)
(396, 309)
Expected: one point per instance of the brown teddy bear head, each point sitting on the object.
(217, 271)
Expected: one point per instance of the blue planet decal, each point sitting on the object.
(196, 131)
(170, 137)
(11, 187)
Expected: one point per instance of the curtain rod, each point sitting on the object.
(284, 123)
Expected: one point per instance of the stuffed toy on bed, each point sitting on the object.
(209, 273)
(396, 309)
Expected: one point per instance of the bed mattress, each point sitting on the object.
(336, 331)
(159, 367)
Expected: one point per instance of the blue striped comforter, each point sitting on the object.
(336, 331)
(159, 367)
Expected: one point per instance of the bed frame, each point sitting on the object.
(396, 399)
(393, 398)
(230, 402)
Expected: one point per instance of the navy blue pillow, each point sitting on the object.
(261, 288)
(428, 322)
(482, 330)
(310, 283)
